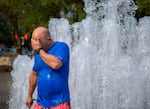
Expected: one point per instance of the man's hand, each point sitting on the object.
(32, 85)
(29, 102)
(35, 44)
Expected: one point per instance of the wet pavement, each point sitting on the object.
(5, 84)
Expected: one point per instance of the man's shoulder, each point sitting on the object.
(62, 43)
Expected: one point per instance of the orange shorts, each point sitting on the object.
(63, 105)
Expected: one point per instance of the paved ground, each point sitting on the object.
(5, 83)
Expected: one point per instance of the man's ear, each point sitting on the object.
(49, 38)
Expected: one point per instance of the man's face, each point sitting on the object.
(45, 41)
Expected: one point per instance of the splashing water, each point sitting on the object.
(110, 58)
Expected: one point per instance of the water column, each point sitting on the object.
(144, 53)
(106, 65)
(22, 66)
(110, 62)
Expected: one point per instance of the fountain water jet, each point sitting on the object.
(110, 61)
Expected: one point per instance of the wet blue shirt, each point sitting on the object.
(52, 85)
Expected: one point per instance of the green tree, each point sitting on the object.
(5, 33)
(143, 8)
(26, 14)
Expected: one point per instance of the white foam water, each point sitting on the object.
(110, 58)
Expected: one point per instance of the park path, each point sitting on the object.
(5, 84)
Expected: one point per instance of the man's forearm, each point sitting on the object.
(32, 83)
(50, 60)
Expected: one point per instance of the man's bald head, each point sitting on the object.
(42, 34)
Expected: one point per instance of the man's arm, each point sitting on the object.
(50, 60)
(32, 85)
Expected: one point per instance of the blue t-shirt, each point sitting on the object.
(52, 85)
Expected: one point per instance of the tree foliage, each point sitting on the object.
(5, 32)
(143, 8)
(24, 15)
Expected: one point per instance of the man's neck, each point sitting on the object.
(50, 45)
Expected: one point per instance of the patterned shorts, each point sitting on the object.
(63, 105)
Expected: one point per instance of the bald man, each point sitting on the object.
(50, 72)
